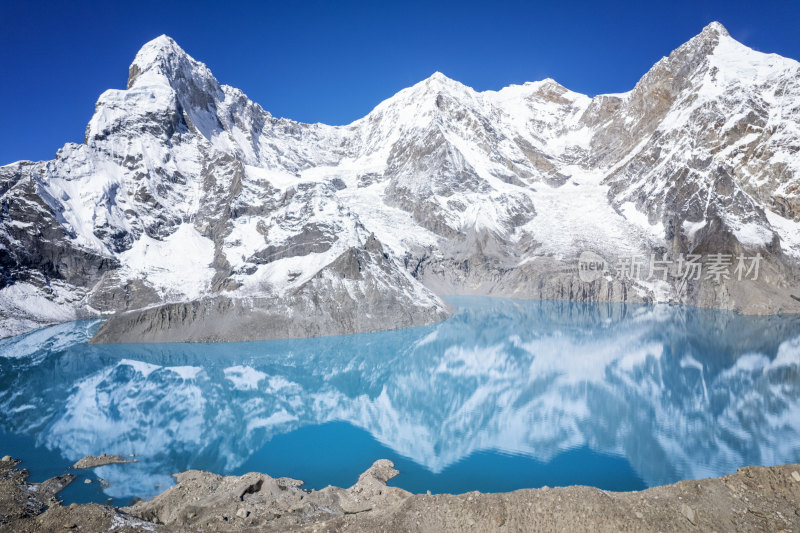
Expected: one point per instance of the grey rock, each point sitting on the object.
(91, 461)
(688, 512)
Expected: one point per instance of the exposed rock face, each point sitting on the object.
(188, 205)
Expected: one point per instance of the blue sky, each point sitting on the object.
(327, 61)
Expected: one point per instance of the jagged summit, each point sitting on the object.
(705, 42)
(157, 56)
(164, 59)
(715, 28)
(190, 211)
(163, 62)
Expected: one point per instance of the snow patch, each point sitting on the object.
(178, 266)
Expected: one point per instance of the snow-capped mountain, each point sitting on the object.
(191, 213)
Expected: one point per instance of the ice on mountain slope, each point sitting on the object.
(788, 231)
(178, 266)
(480, 192)
(578, 217)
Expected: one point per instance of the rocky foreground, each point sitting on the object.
(752, 499)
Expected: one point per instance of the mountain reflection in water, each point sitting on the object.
(506, 394)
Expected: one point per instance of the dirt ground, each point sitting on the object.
(752, 499)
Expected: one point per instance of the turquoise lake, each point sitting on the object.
(506, 394)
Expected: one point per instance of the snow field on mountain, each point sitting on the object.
(178, 266)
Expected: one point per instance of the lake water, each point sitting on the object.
(504, 395)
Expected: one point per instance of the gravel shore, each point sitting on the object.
(752, 499)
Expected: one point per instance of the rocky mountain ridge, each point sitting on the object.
(191, 213)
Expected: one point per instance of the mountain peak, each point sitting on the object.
(160, 42)
(160, 48)
(715, 29)
(705, 42)
(437, 83)
(693, 54)
(438, 79)
(157, 55)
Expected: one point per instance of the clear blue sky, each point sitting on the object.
(328, 61)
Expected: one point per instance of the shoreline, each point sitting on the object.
(752, 499)
(445, 297)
